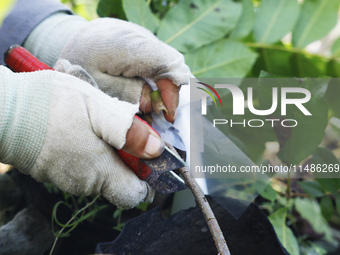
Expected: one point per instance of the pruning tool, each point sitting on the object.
(157, 171)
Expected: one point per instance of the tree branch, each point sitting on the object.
(209, 216)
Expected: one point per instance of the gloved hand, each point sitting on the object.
(60, 129)
(116, 53)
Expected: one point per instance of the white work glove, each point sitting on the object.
(58, 128)
(116, 53)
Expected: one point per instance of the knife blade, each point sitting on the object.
(157, 172)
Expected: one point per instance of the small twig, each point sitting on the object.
(209, 216)
(69, 222)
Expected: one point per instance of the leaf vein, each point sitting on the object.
(311, 23)
(192, 23)
(211, 67)
(272, 21)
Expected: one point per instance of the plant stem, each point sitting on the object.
(209, 216)
(75, 204)
(69, 222)
(288, 191)
(281, 48)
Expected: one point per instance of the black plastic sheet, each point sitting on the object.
(186, 233)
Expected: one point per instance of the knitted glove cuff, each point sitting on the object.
(49, 38)
(24, 110)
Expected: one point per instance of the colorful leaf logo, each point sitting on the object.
(209, 93)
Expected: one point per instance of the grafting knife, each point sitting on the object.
(157, 171)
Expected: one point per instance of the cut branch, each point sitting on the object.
(209, 216)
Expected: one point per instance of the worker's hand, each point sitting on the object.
(58, 128)
(119, 55)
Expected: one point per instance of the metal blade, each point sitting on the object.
(166, 183)
(167, 161)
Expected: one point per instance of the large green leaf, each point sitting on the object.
(253, 138)
(192, 24)
(285, 61)
(330, 181)
(273, 61)
(111, 8)
(225, 58)
(310, 210)
(299, 142)
(284, 233)
(246, 21)
(138, 11)
(333, 68)
(332, 95)
(327, 207)
(308, 134)
(250, 140)
(308, 65)
(312, 187)
(275, 19)
(317, 18)
(269, 193)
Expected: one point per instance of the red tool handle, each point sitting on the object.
(19, 59)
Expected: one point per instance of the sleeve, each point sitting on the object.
(24, 17)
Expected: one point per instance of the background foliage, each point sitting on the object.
(5, 6)
(225, 38)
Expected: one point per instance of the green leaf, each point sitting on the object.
(161, 7)
(190, 25)
(285, 234)
(332, 185)
(307, 65)
(285, 61)
(310, 210)
(332, 96)
(336, 48)
(327, 207)
(329, 180)
(268, 193)
(245, 23)
(139, 12)
(274, 61)
(299, 142)
(111, 8)
(305, 138)
(333, 68)
(313, 188)
(225, 58)
(337, 202)
(253, 139)
(143, 206)
(316, 19)
(275, 19)
(284, 202)
(117, 213)
(308, 247)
